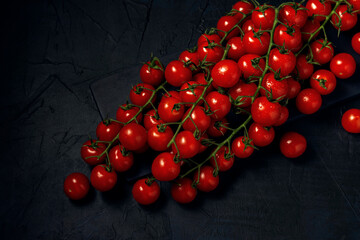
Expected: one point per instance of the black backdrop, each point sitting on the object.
(52, 51)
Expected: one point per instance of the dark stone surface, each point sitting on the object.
(52, 51)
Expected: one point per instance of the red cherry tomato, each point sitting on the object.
(303, 69)
(203, 147)
(212, 51)
(190, 56)
(107, 130)
(237, 48)
(76, 186)
(308, 101)
(225, 24)
(277, 88)
(158, 137)
(343, 65)
(126, 112)
(265, 112)
(263, 17)
(141, 93)
(310, 27)
(170, 109)
(355, 42)
(187, 144)
(183, 190)
(241, 9)
(355, 4)
(103, 179)
(152, 73)
(204, 39)
(226, 73)
(260, 135)
(190, 92)
(348, 19)
(219, 104)
(294, 88)
(144, 192)
(248, 26)
(164, 167)
(216, 128)
(323, 81)
(282, 61)
(224, 159)
(256, 43)
(207, 181)
(290, 37)
(240, 90)
(199, 78)
(199, 117)
(151, 119)
(322, 51)
(241, 148)
(293, 14)
(90, 150)
(351, 120)
(319, 8)
(133, 136)
(248, 67)
(284, 115)
(120, 159)
(176, 73)
(292, 145)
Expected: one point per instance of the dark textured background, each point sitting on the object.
(53, 51)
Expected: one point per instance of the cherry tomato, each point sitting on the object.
(351, 120)
(152, 73)
(226, 73)
(145, 192)
(355, 42)
(290, 37)
(293, 14)
(120, 159)
(237, 48)
(318, 7)
(203, 147)
(199, 78)
(103, 179)
(164, 167)
(284, 115)
(207, 181)
(204, 39)
(225, 24)
(190, 92)
(141, 93)
(90, 150)
(158, 137)
(216, 129)
(219, 104)
(247, 65)
(348, 19)
(343, 65)
(199, 117)
(292, 145)
(107, 130)
(322, 51)
(76, 186)
(263, 17)
(152, 119)
(176, 73)
(183, 190)
(304, 69)
(278, 89)
(241, 147)
(190, 56)
(248, 26)
(294, 88)
(265, 112)
(170, 109)
(282, 61)
(241, 9)
(187, 144)
(224, 159)
(126, 112)
(308, 101)
(212, 51)
(256, 43)
(323, 81)
(240, 90)
(310, 27)
(133, 136)
(260, 135)
(355, 4)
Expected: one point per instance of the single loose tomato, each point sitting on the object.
(219, 104)
(256, 42)
(164, 167)
(120, 159)
(273, 88)
(293, 14)
(227, 24)
(236, 48)
(91, 150)
(303, 68)
(263, 17)
(187, 144)
(265, 112)
(355, 42)
(294, 88)
(126, 112)
(190, 92)
(152, 119)
(260, 135)
(177, 73)
(292, 144)
(309, 28)
(351, 120)
(241, 147)
(199, 117)
(318, 7)
(241, 93)
(323, 81)
(145, 192)
(308, 101)
(102, 178)
(107, 130)
(133, 136)
(170, 109)
(282, 61)
(141, 94)
(76, 186)
(242, 8)
(158, 137)
(224, 159)
(207, 180)
(251, 65)
(348, 18)
(152, 72)
(216, 128)
(284, 115)
(343, 65)
(183, 191)
(226, 73)
(288, 36)
(322, 51)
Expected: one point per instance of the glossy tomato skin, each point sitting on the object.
(151, 119)
(260, 135)
(90, 150)
(294, 88)
(263, 19)
(348, 20)
(284, 115)
(248, 26)
(216, 130)
(126, 113)
(310, 27)
(322, 53)
(176, 73)
(141, 93)
(293, 15)
(242, 89)
(256, 43)
(241, 9)
(265, 112)
(343, 65)
(291, 41)
(225, 24)
(319, 8)
(204, 39)
(107, 130)
(150, 75)
(351, 120)
(323, 81)
(203, 147)
(292, 145)
(164, 167)
(102, 179)
(355, 4)
(120, 159)
(283, 62)
(212, 53)
(308, 101)
(145, 194)
(200, 78)
(183, 190)
(199, 117)
(166, 109)
(224, 159)
(226, 73)
(237, 48)
(190, 93)
(133, 136)
(239, 149)
(303, 69)
(247, 67)
(76, 186)
(355, 42)
(219, 104)
(190, 56)
(207, 181)
(158, 140)
(278, 89)
(187, 144)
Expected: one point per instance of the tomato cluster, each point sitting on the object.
(255, 61)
